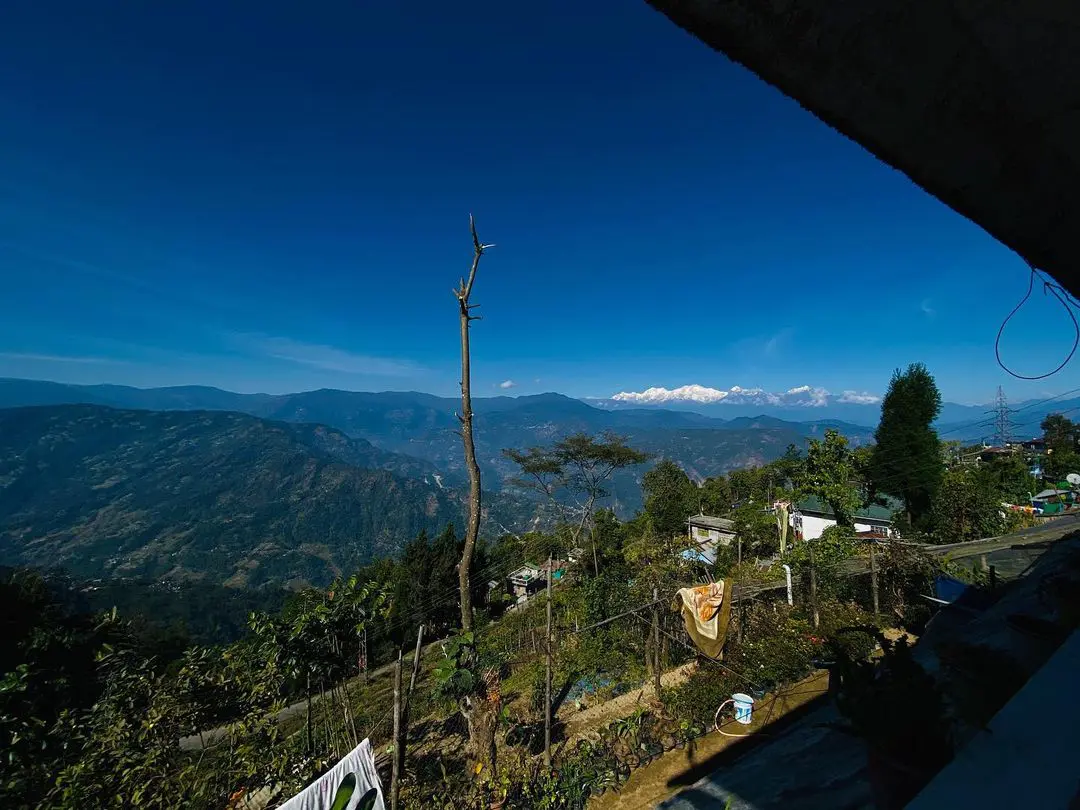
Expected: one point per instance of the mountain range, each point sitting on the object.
(423, 426)
(106, 493)
(203, 484)
(966, 422)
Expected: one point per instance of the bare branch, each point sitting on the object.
(478, 251)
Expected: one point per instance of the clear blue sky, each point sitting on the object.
(274, 196)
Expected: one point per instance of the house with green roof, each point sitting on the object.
(812, 516)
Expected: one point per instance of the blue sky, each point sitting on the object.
(274, 197)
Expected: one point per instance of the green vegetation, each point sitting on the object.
(907, 458)
(966, 507)
(572, 475)
(829, 473)
(92, 704)
(93, 714)
(1062, 438)
(219, 498)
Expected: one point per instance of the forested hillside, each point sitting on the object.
(220, 497)
(424, 427)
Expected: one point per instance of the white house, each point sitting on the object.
(811, 517)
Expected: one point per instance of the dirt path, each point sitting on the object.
(665, 776)
(580, 723)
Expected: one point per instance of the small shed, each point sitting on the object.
(706, 533)
(525, 581)
(719, 530)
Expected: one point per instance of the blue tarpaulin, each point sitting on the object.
(948, 589)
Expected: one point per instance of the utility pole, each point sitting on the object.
(547, 677)
(363, 654)
(813, 587)
(873, 580)
(310, 731)
(395, 760)
(408, 699)
(656, 640)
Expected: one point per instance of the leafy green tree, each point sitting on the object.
(749, 484)
(1061, 436)
(966, 507)
(756, 529)
(609, 539)
(907, 457)
(836, 545)
(829, 474)
(655, 558)
(47, 669)
(1008, 477)
(1060, 432)
(670, 497)
(788, 468)
(716, 496)
(573, 473)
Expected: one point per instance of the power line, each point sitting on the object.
(1048, 399)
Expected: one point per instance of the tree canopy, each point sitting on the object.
(829, 474)
(1062, 437)
(907, 460)
(572, 475)
(966, 507)
(670, 498)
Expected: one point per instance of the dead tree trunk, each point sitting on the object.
(462, 293)
(481, 710)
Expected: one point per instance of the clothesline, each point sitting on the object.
(704, 657)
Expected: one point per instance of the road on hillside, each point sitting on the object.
(1051, 530)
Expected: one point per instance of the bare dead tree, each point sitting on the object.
(472, 531)
(480, 708)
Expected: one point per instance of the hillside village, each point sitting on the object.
(843, 594)
(796, 553)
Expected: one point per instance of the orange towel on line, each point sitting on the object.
(706, 611)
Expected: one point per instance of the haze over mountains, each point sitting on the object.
(424, 426)
(362, 411)
(249, 489)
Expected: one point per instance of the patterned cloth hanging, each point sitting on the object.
(706, 611)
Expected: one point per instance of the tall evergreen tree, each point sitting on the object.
(907, 459)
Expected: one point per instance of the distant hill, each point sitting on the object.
(424, 427)
(222, 497)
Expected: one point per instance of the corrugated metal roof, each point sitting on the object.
(1051, 493)
(874, 511)
(716, 523)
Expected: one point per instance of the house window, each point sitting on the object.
(701, 532)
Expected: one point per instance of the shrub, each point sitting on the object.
(836, 620)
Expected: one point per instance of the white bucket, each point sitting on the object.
(744, 712)
(744, 708)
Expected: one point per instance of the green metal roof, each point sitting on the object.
(874, 511)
